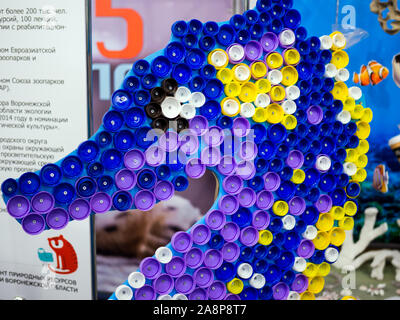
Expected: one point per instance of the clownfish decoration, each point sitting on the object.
(381, 179)
(371, 74)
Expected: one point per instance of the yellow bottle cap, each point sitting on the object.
(241, 72)
(291, 57)
(351, 155)
(340, 59)
(340, 91)
(289, 76)
(265, 237)
(363, 147)
(248, 92)
(358, 112)
(263, 86)
(316, 284)
(278, 93)
(362, 161)
(232, 89)
(298, 176)
(337, 213)
(225, 75)
(346, 223)
(360, 175)
(322, 240)
(307, 295)
(337, 236)
(325, 222)
(350, 208)
(230, 107)
(363, 130)
(235, 286)
(311, 270)
(367, 115)
(289, 121)
(218, 58)
(324, 269)
(349, 104)
(274, 60)
(258, 69)
(280, 208)
(274, 113)
(260, 115)
(348, 298)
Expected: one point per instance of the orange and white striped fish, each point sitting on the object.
(371, 74)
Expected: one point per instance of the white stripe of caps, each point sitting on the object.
(231, 107)
(275, 77)
(188, 111)
(247, 110)
(330, 70)
(331, 254)
(263, 100)
(344, 117)
(136, 280)
(293, 295)
(164, 297)
(163, 255)
(355, 93)
(242, 73)
(343, 75)
(323, 163)
(219, 59)
(300, 264)
(310, 233)
(197, 99)
(289, 222)
(123, 292)
(179, 296)
(183, 94)
(292, 92)
(289, 106)
(236, 53)
(287, 37)
(171, 107)
(339, 40)
(326, 42)
(257, 281)
(245, 271)
(350, 168)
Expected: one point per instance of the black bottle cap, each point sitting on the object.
(170, 86)
(158, 94)
(153, 110)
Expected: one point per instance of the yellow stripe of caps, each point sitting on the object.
(265, 237)
(363, 130)
(349, 104)
(311, 270)
(298, 176)
(232, 89)
(230, 107)
(291, 57)
(363, 147)
(323, 269)
(367, 115)
(322, 240)
(225, 75)
(362, 161)
(258, 69)
(306, 295)
(337, 213)
(360, 175)
(280, 208)
(274, 113)
(241, 72)
(316, 285)
(325, 222)
(358, 112)
(340, 91)
(260, 115)
(248, 92)
(263, 86)
(351, 155)
(340, 59)
(337, 236)
(278, 93)
(347, 223)
(274, 60)
(290, 122)
(290, 76)
(350, 208)
(218, 58)
(235, 286)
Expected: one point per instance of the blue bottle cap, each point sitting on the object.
(264, 5)
(276, 165)
(288, 277)
(353, 143)
(301, 33)
(207, 43)
(208, 72)
(243, 36)
(313, 131)
(282, 151)
(161, 66)
(111, 159)
(189, 41)
(242, 217)
(316, 83)
(226, 35)
(353, 189)
(124, 140)
(313, 194)
(260, 251)
(249, 293)
(325, 56)
(301, 130)
(276, 133)
(337, 168)
(305, 70)
(305, 87)
(312, 177)
(142, 139)
(286, 173)
(211, 28)
(163, 172)
(276, 26)
(9, 187)
(292, 240)
(337, 128)
(250, 16)
(265, 19)
(312, 57)
(216, 241)
(195, 26)
(315, 147)
(105, 183)
(135, 117)
(211, 110)
(131, 83)
(273, 252)
(314, 43)
(327, 182)
(71, 166)
(50, 174)
(318, 257)
(285, 260)
(303, 47)
(225, 122)
(338, 197)
(148, 81)
(275, 225)
(195, 59)
(303, 102)
(255, 183)
(29, 183)
(300, 227)
(175, 52)
(88, 151)
(95, 169)
(337, 105)
(141, 67)
(146, 179)
(328, 85)
(180, 183)
(279, 239)
(292, 20)
(319, 70)
(286, 190)
(197, 84)
(113, 121)
(259, 132)
(122, 200)
(246, 254)
(343, 180)
(309, 159)
(315, 98)
(261, 164)
(310, 215)
(328, 145)
(267, 150)
(291, 139)
(86, 187)
(342, 140)
(327, 99)
(226, 272)
(257, 31)
(179, 28)
(238, 21)
(64, 193)
(213, 89)
(278, 11)
(350, 128)
(304, 145)
(103, 139)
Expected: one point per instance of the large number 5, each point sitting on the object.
(134, 28)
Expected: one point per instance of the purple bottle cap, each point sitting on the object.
(297, 206)
(125, 179)
(265, 200)
(195, 169)
(295, 159)
(155, 156)
(232, 184)
(300, 283)
(272, 181)
(164, 190)
(227, 165)
(228, 204)
(201, 234)
(145, 293)
(33, 224)
(145, 200)
(213, 259)
(306, 249)
(246, 170)
(269, 42)
(231, 296)
(261, 220)
(253, 50)
(199, 294)
(217, 291)
(236, 53)
(194, 258)
(164, 284)
(189, 141)
(230, 232)
(101, 202)
(214, 136)
(248, 150)
(249, 236)
(280, 291)
(181, 241)
(324, 203)
(169, 141)
(176, 267)
(210, 156)
(203, 277)
(215, 219)
(241, 127)
(185, 284)
(18, 206)
(230, 252)
(315, 114)
(247, 197)
(134, 159)
(150, 267)
(79, 209)
(199, 124)
(42, 202)
(57, 218)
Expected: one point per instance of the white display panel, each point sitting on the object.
(43, 117)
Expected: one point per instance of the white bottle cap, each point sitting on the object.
(292, 92)
(179, 296)
(287, 37)
(231, 107)
(257, 281)
(171, 107)
(188, 111)
(183, 94)
(123, 292)
(310, 233)
(331, 254)
(242, 73)
(300, 264)
(289, 106)
(355, 93)
(136, 280)
(163, 255)
(263, 100)
(247, 110)
(339, 40)
(236, 52)
(245, 271)
(197, 99)
(343, 75)
(344, 117)
(275, 77)
(326, 42)
(219, 59)
(350, 168)
(164, 297)
(293, 295)
(323, 163)
(289, 222)
(330, 70)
